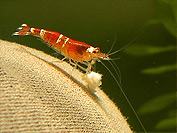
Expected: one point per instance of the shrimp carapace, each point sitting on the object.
(72, 49)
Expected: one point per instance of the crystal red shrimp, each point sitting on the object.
(71, 49)
(75, 50)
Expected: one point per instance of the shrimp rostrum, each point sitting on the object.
(73, 50)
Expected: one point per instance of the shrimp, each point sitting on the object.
(76, 51)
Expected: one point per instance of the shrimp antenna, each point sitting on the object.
(115, 39)
(115, 58)
(124, 46)
(125, 96)
(116, 69)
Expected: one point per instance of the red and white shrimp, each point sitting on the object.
(73, 50)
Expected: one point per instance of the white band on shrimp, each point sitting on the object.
(91, 49)
(59, 38)
(42, 33)
(32, 30)
(65, 42)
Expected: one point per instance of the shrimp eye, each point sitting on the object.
(97, 48)
(94, 52)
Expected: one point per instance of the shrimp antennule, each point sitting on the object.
(123, 47)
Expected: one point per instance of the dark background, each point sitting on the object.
(148, 65)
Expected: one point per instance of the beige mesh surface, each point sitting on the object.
(37, 94)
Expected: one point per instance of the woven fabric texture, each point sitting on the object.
(40, 93)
